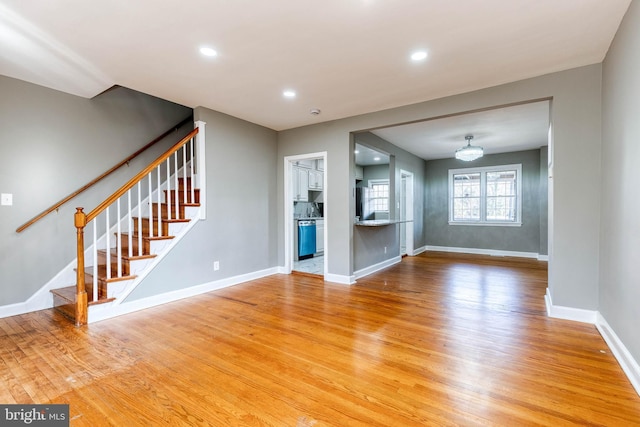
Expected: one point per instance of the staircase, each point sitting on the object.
(135, 236)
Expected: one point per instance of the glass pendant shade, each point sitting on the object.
(469, 152)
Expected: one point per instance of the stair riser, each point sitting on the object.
(88, 285)
(175, 210)
(102, 262)
(145, 227)
(164, 209)
(196, 194)
(134, 245)
(65, 308)
(182, 186)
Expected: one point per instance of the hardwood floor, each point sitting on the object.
(437, 340)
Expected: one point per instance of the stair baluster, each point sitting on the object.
(94, 269)
(158, 204)
(130, 236)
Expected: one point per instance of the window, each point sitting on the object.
(485, 196)
(379, 195)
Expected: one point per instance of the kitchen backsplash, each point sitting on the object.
(307, 210)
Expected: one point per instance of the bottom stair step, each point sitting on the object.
(64, 301)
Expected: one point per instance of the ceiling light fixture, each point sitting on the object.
(207, 51)
(289, 94)
(469, 152)
(418, 55)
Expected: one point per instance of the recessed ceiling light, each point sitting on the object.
(418, 55)
(377, 159)
(356, 151)
(207, 51)
(289, 94)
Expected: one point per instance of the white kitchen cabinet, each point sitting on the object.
(300, 184)
(319, 235)
(359, 173)
(316, 180)
(320, 164)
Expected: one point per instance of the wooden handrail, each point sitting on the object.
(133, 181)
(57, 205)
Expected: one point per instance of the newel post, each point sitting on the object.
(201, 167)
(80, 221)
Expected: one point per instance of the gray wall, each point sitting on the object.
(574, 225)
(620, 226)
(53, 143)
(518, 239)
(374, 172)
(369, 243)
(241, 210)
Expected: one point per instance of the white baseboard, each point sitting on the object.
(329, 277)
(339, 278)
(569, 313)
(14, 309)
(376, 267)
(108, 311)
(620, 351)
(492, 252)
(543, 258)
(419, 250)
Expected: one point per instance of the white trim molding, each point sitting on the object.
(491, 252)
(419, 250)
(339, 278)
(376, 267)
(569, 313)
(109, 311)
(621, 353)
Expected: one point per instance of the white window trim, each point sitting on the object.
(483, 199)
(372, 182)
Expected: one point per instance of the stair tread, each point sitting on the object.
(103, 269)
(69, 293)
(150, 238)
(172, 220)
(125, 255)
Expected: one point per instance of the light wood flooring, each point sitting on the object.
(436, 340)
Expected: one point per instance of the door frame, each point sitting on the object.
(408, 209)
(288, 208)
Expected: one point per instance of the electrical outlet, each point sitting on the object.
(216, 265)
(6, 199)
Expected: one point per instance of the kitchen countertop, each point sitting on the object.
(311, 217)
(379, 222)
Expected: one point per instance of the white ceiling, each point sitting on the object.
(344, 57)
(515, 128)
(366, 156)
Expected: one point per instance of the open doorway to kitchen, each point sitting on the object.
(305, 182)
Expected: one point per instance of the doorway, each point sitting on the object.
(305, 182)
